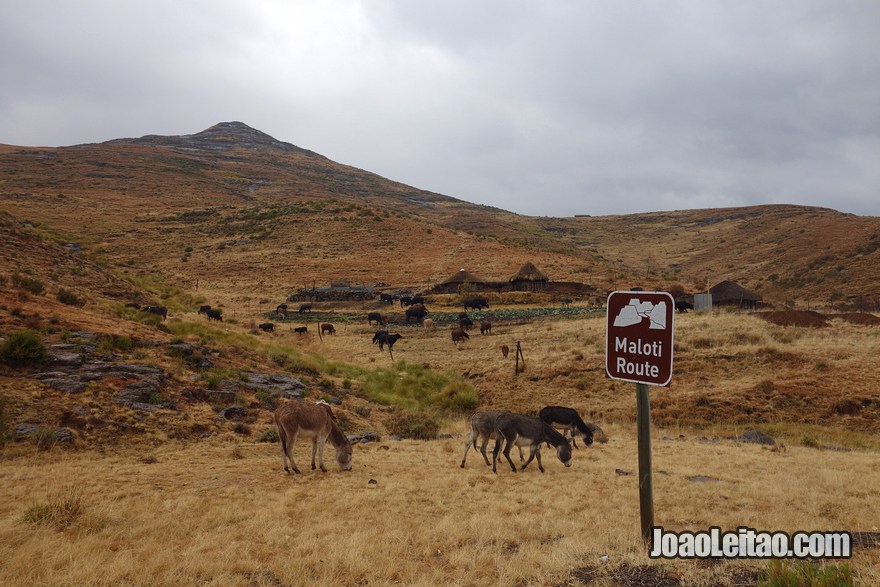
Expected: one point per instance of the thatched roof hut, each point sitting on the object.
(529, 278)
(461, 276)
(452, 283)
(728, 293)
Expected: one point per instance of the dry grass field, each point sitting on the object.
(146, 510)
(225, 513)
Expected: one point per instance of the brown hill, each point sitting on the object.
(244, 215)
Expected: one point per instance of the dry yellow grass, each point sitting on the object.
(226, 513)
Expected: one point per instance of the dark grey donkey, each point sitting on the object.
(514, 429)
(570, 421)
(483, 427)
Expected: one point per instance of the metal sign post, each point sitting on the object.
(638, 348)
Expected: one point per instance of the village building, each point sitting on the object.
(728, 293)
(529, 278)
(453, 283)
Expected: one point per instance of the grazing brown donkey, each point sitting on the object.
(315, 421)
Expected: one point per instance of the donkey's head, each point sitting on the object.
(563, 451)
(587, 436)
(343, 456)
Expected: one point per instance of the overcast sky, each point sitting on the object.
(546, 108)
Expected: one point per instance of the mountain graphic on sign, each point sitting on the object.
(634, 312)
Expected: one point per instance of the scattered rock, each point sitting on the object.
(140, 391)
(756, 437)
(221, 396)
(235, 413)
(364, 437)
(372, 483)
(622, 473)
(63, 436)
(26, 430)
(183, 348)
(65, 359)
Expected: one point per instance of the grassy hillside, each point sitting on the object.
(239, 212)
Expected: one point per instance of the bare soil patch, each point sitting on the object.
(858, 318)
(803, 318)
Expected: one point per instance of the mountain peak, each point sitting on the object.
(223, 136)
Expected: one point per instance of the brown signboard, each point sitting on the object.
(638, 337)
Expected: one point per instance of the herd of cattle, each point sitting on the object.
(415, 312)
(316, 421)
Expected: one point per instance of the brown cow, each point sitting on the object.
(328, 328)
(459, 335)
(485, 326)
(504, 350)
(315, 421)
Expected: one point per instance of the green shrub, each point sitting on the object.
(806, 574)
(23, 348)
(28, 284)
(114, 342)
(418, 425)
(71, 299)
(270, 435)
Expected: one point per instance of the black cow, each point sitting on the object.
(566, 302)
(305, 308)
(375, 317)
(204, 309)
(214, 315)
(267, 327)
(465, 322)
(301, 329)
(417, 312)
(134, 305)
(158, 310)
(281, 310)
(683, 306)
(476, 304)
(380, 334)
(386, 298)
(388, 339)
